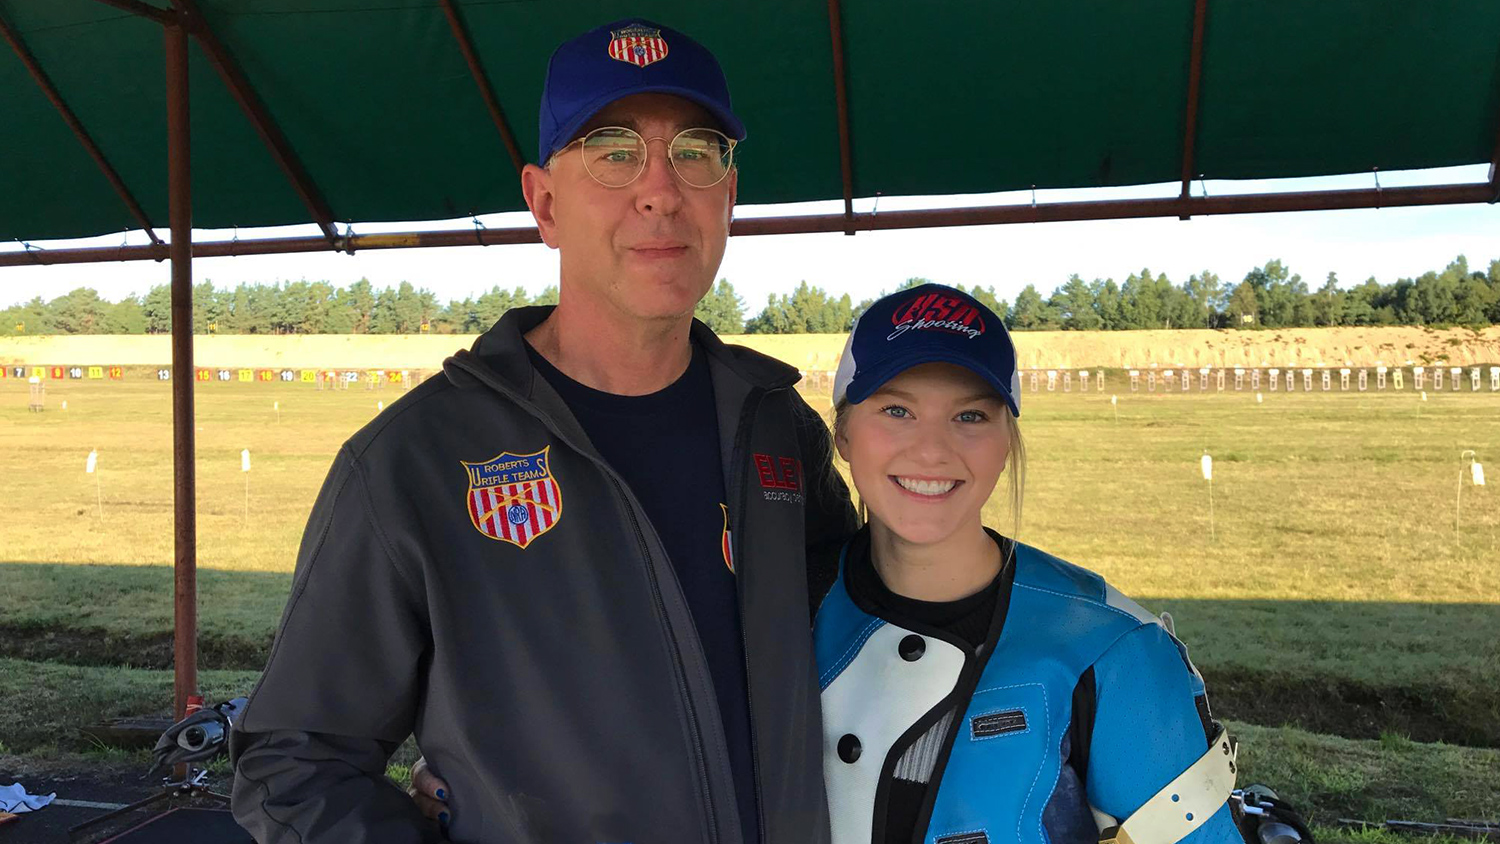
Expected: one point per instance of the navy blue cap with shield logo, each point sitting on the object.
(631, 56)
(931, 323)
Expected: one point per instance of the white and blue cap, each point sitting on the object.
(932, 323)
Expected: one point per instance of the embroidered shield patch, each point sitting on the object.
(638, 45)
(514, 497)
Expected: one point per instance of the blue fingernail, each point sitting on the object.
(442, 795)
(443, 818)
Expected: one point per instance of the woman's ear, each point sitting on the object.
(841, 442)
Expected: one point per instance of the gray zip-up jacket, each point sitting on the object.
(548, 666)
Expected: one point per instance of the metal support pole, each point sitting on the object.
(841, 99)
(184, 488)
(1111, 209)
(486, 90)
(51, 92)
(260, 118)
(1195, 77)
(1495, 169)
(136, 7)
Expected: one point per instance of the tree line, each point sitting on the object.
(1270, 296)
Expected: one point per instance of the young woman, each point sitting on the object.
(974, 688)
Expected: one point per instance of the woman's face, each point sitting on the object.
(926, 450)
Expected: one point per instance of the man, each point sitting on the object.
(573, 566)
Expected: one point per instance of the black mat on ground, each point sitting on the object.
(186, 826)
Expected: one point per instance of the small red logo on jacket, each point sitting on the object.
(780, 477)
(779, 472)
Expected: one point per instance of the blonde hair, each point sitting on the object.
(1015, 463)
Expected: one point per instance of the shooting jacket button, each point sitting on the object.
(849, 748)
(912, 647)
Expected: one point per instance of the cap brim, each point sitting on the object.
(863, 385)
(729, 124)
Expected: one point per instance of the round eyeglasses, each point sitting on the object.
(616, 156)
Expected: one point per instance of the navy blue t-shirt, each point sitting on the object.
(666, 447)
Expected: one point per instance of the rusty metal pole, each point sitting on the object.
(1046, 212)
(54, 97)
(841, 99)
(1195, 80)
(184, 486)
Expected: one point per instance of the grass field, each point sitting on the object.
(1334, 594)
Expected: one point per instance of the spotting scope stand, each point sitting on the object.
(198, 738)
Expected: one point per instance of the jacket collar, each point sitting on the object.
(502, 350)
(498, 361)
(758, 370)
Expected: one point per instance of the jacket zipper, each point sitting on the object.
(968, 681)
(661, 607)
(682, 687)
(742, 441)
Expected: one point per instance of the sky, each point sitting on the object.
(1387, 243)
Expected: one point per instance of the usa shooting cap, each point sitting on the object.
(630, 56)
(932, 323)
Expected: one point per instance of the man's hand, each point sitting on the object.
(430, 793)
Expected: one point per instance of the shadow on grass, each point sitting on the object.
(1352, 669)
(118, 615)
(1359, 670)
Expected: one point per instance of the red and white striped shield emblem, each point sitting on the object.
(638, 45)
(514, 497)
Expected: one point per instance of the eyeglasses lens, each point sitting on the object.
(615, 157)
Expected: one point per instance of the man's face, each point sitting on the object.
(646, 251)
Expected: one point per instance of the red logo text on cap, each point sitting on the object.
(637, 45)
(937, 312)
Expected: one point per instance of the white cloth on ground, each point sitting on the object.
(13, 798)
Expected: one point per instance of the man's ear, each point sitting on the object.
(537, 187)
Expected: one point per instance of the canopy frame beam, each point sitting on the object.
(1115, 209)
(1495, 167)
(145, 10)
(260, 118)
(486, 90)
(45, 83)
(1195, 79)
(841, 97)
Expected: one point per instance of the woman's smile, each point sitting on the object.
(926, 489)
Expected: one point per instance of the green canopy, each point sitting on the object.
(385, 110)
(377, 103)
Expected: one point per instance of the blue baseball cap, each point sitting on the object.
(630, 56)
(932, 323)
